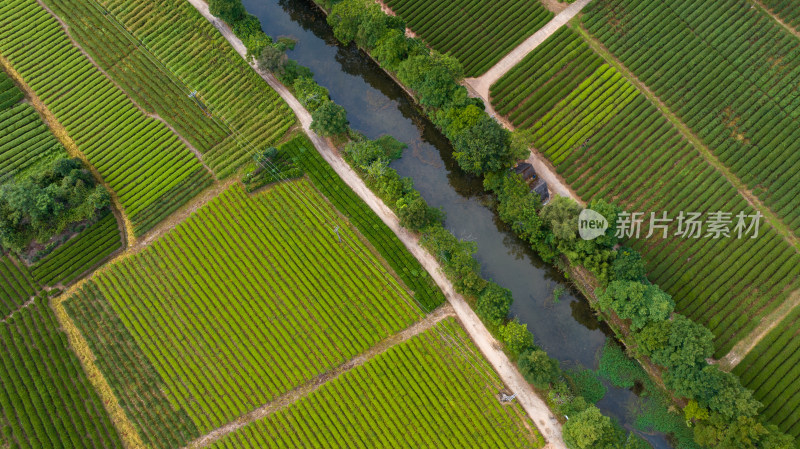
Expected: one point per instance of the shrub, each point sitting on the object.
(329, 119)
(538, 368)
(493, 305)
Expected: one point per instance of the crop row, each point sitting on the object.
(137, 385)
(17, 285)
(25, 141)
(139, 157)
(771, 370)
(84, 251)
(787, 10)
(46, 401)
(730, 72)
(189, 46)
(274, 300)
(476, 32)
(608, 141)
(420, 393)
(368, 223)
(9, 94)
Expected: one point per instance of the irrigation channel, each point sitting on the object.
(567, 329)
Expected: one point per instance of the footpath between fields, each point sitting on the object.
(536, 408)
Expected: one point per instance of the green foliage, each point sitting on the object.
(493, 305)
(677, 343)
(694, 413)
(310, 94)
(484, 147)
(361, 21)
(586, 383)
(230, 11)
(272, 58)
(589, 429)
(637, 302)
(456, 258)
(538, 368)
(329, 119)
(560, 216)
(618, 368)
(44, 203)
(628, 266)
(415, 213)
(741, 433)
(721, 392)
(516, 337)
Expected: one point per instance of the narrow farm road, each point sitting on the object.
(482, 84)
(769, 12)
(533, 405)
(290, 397)
(767, 324)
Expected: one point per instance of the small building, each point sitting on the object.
(541, 189)
(525, 170)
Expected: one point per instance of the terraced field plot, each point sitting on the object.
(247, 299)
(190, 47)
(478, 33)
(26, 143)
(149, 168)
(730, 72)
(609, 141)
(46, 400)
(787, 10)
(421, 393)
(771, 370)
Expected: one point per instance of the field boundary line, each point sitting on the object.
(58, 130)
(777, 18)
(483, 83)
(127, 431)
(751, 340)
(534, 406)
(296, 394)
(777, 224)
(146, 113)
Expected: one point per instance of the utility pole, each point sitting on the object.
(336, 230)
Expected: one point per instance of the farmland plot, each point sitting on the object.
(46, 401)
(608, 141)
(149, 168)
(420, 393)
(26, 144)
(771, 370)
(256, 110)
(730, 72)
(274, 301)
(478, 33)
(787, 10)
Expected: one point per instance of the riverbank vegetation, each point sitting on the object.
(476, 33)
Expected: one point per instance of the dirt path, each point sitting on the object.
(482, 84)
(533, 405)
(479, 87)
(705, 152)
(147, 113)
(312, 385)
(768, 323)
(769, 12)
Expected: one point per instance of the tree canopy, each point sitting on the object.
(640, 303)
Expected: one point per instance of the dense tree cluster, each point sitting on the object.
(42, 204)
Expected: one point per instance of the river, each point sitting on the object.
(567, 329)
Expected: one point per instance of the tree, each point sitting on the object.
(310, 94)
(484, 147)
(538, 368)
(560, 215)
(628, 266)
(740, 433)
(589, 429)
(679, 342)
(329, 119)
(415, 213)
(722, 393)
(272, 58)
(228, 10)
(365, 152)
(640, 303)
(391, 49)
(516, 337)
(493, 305)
